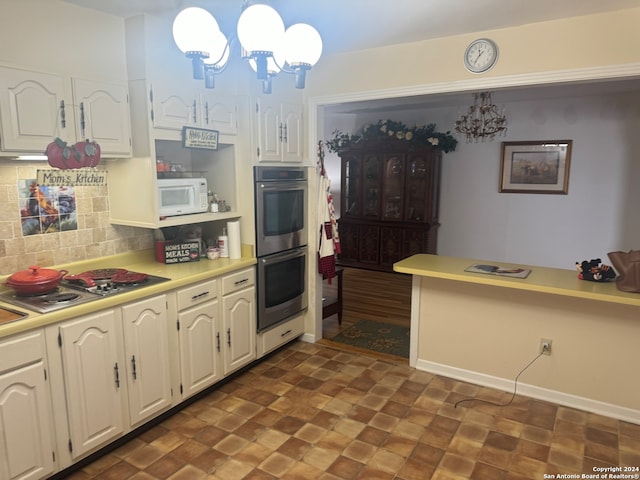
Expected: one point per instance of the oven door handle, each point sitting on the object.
(278, 257)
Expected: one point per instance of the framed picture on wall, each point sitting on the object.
(535, 167)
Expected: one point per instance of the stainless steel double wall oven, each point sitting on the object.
(281, 242)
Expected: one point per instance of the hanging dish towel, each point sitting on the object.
(328, 229)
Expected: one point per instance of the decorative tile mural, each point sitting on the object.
(46, 209)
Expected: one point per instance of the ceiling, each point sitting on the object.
(347, 25)
(350, 25)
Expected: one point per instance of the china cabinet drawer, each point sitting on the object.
(202, 292)
(238, 280)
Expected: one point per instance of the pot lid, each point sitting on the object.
(35, 275)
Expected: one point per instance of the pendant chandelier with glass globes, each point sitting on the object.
(265, 43)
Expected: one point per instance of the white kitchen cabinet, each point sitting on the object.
(36, 107)
(279, 335)
(102, 115)
(146, 347)
(26, 420)
(174, 108)
(93, 373)
(33, 110)
(199, 326)
(238, 319)
(278, 130)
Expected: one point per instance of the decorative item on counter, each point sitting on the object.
(81, 155)
(223, 244)
(213, 253)
(628, 266)
(595, 271)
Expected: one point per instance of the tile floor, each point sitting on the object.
(315, 412)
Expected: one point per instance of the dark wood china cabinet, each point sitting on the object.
(389, 202)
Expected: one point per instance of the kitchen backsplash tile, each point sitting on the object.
(94, 237)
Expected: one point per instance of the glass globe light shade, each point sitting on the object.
(302, 44)
(260, 28)
(191, 27)
(218, 50)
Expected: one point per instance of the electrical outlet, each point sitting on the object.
(545, 346)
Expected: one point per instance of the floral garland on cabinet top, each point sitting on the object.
(386, 129)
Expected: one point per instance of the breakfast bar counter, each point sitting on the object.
(484, 328)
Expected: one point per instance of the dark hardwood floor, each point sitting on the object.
(370, 295)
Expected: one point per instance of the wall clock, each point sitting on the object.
(480, 55)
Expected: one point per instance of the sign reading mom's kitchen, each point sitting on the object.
(86, 177)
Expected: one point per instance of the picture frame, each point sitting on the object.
(535, 167)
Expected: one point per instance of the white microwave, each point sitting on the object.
(182, 196)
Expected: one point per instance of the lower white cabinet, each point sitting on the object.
(238, 319)
(113, 362)
(146, 346)
(280, 334)
(94, 376)
(26, 421)
(217, 337)
(199, 337)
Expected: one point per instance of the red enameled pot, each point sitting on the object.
(35, 280)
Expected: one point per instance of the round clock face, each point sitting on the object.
(480, 55)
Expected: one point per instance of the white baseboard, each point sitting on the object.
(560, 398)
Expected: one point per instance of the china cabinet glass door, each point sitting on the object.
(393, 187)
(416, 194)
(351, 186)
(371, 186)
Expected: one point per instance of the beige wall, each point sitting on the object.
(95, 236)
(608, 39)
(60, 38)
(486, 334)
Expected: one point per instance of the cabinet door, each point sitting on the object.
(200, 347)
(239, 328)
(173, 109)
(390, 245)
(371, 183)
(33, 110)
(291, 114)
(102, 113)
(26, 446)
(147, 357)
(93, 373)
(269, 130)
(218, 112)
(421, 189)
(393, 187)
(351, 185)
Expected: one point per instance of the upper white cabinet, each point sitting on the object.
(26, 421)
(102, 113)
(36, 107)
(33, 110)
(278, 130)
(176, 108)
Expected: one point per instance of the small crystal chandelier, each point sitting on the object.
(483, 120)
(264, 41)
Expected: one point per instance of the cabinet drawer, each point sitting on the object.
(280, 334)
(236, 281)
(202, 292)
(21, 350)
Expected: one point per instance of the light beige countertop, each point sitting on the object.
(143, 261)
(541, 279)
